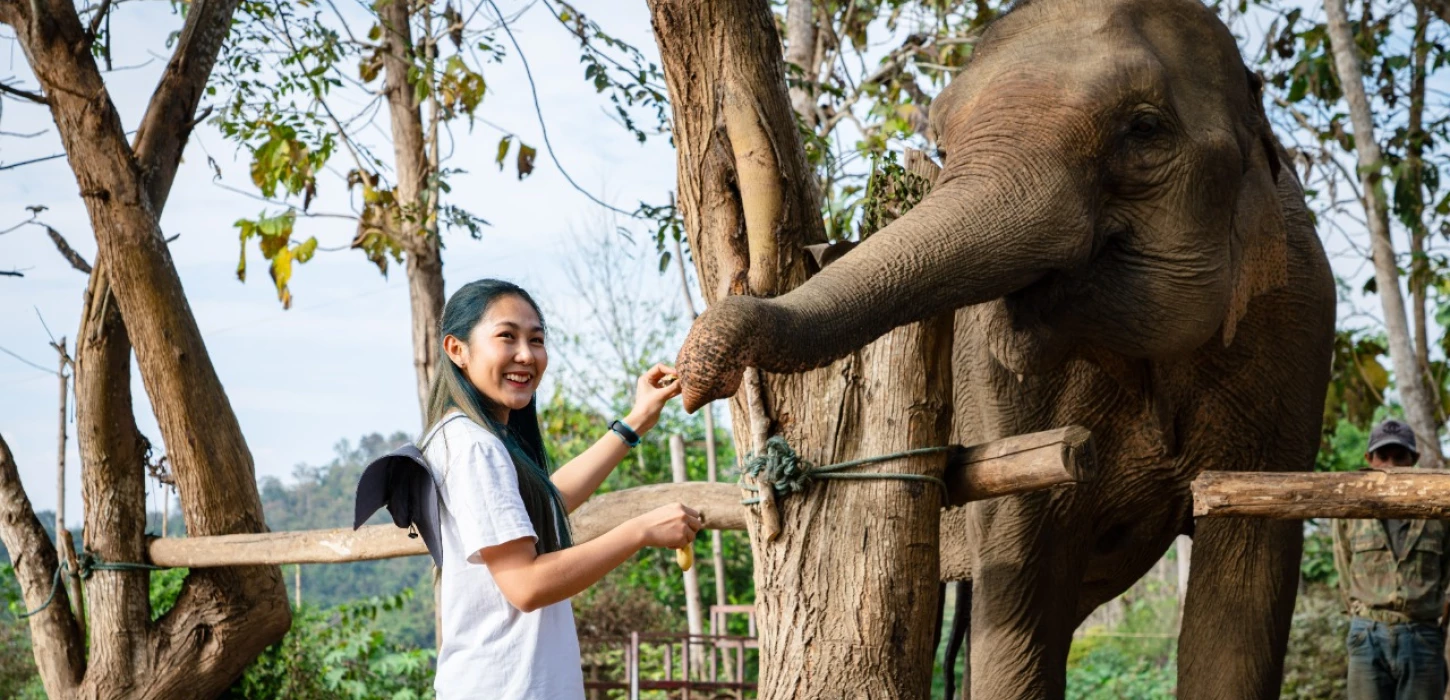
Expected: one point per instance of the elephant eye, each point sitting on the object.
(1145, 124)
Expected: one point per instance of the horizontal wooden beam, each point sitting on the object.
(1418, 494)
(1019, 464)
(1003, 467)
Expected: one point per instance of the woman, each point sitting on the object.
(508, 565)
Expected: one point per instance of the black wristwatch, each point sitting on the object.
(625, 433)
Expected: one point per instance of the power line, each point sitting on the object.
(28, 362)
(533, 90)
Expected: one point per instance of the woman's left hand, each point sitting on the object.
(650, 396)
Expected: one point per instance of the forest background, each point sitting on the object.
(316, 358)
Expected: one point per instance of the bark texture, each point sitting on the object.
(418, 207)
(1415, 494)
(845, 595)
(226, 616)
(1414, 389)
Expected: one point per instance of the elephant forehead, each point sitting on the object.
(1095, 54)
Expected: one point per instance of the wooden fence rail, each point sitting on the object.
(1014, 465)
(1419, 494)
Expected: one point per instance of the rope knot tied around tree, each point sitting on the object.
(784, 471)
(87, 563)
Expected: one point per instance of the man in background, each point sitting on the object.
(1393, 575)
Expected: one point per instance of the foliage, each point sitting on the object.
(1316, 665)
(274, 237)
(164, 590)
(867, 103)
(1403, 47)
(1317, 564)
(339, 653)
(284, 77)
(1136, 658)
(19, 677)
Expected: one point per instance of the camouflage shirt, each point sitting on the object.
(1380, 586)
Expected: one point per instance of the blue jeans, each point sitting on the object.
(1396, 662)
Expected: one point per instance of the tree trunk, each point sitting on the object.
(425, 260)
(800, 51)
(226, 616)
(1414, 390)
(1420, 275)
(845, 596)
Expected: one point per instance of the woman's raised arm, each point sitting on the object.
(578, 479)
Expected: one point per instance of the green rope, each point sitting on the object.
(54, 585)
(88, 563)
(787, 472)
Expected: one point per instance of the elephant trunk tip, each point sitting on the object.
(717, 350)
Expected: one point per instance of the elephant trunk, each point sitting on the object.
(975, 238)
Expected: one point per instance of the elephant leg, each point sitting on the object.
(1241, 589)
(1025, 584)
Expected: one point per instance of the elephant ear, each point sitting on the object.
(1259, 245)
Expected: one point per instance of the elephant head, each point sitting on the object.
(1108, 182)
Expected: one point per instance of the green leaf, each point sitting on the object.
(503, 150)
(305, 250)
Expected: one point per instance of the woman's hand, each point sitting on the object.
(650, 396)
(673, 526)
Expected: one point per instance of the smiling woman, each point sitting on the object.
(508, 564)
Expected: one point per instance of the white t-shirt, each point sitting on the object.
(490, 648)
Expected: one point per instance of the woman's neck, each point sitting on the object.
(501, 414)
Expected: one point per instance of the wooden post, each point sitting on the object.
(62, 535)
(1416, 494)
(692, 577)
(717, 553)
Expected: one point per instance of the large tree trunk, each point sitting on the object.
(226, 616)
(418, 237)
(845, 596)
(1415, 392)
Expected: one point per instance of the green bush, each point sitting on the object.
(1136, 659)
(1317, 665)
(338, 653)
(18, 675)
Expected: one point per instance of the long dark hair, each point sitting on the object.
(451, 391)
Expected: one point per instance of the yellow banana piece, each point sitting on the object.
(685, 558)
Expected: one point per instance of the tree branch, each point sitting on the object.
(66, 251)
(1441, 8)
(58, 649)
(24, 94)
(159, 141)
(96, 20)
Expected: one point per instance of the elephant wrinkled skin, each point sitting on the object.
(1128, 249)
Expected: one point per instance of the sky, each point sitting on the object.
(339, 363)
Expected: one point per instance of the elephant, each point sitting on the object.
(1126, 247)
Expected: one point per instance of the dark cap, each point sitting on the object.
(1392, 432)
(401, 481)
